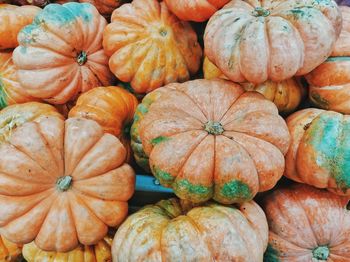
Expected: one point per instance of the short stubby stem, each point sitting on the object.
(259, 11)
(213, 128)
(64, 183)
(82, 58)
(321, 253)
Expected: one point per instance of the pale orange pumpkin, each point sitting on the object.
(62, 183)
(105, 7)
(9, 252)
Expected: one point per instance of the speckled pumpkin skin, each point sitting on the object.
(175, 231)
(307, 224)
(9, 252)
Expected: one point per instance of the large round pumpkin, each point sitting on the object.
(112, 107)
(307, 224)
(9, 252)
(320, 148)
(105, 7)
(150, 47)
(101, 252)
(330, 82)
(62, 183)
(210, 139)
(171, 231)
(60, 54)
(194, 10)
(253, 41)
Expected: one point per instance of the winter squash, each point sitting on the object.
(62, 183)
(9, 251)
(13, 19)
(330, 82)
(253, 41)
(170, 230)
(11, 91)
(343, 2)
(112, 107)
(60, 54)
(307, 224)
(105, 7)
(198, 125)
(150, 47)
(319, 150)
(193, 10)
(101, 252)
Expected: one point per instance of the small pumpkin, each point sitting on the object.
(307, 224)
(60, 54)
(319, 149)
(105, 7)
(175, 231)
(62, 183)
(253, 41)
(112, 107)
(9, 252)
(100, 252)
(150, 47)
(193, 10)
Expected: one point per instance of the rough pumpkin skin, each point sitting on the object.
(101, 252)
(9, 252)
(253, 41)
(307, 224)
(105, 7)
(320, 148)
(210, 139)
(175, 231)
(149, 46)
(60, 54)
(64, 181)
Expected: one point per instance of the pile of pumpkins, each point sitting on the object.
(224, 101)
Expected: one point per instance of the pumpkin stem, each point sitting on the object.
(82, 58)
(213, 128)
(259, 11)
(64, 183)
(321, 253)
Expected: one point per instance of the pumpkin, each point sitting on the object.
(11, 91)
(112, 107)
(105, 7)
(343, 2)
(210, 139)
(13, 19)
(330, 82)
(319, 150)
(193, 10)
(62, 183)
(307, 224)
(150, 47)
(171, 231)
(253, 41)
(60, 54)
(9, 252)
(101, 252)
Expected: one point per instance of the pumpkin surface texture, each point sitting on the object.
(60, 54)
(307, 224)
(210, 139)
(253, 41)
(105, 7)
(9, 251)
(149, 46)
(171, 231)
(62, 182)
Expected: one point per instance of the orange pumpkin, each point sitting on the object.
(60, 54)
(210, 139)
(13, 19)
(307, 224)
(9, 252)
(62, 183)
(174, 231)
(253, 41)
(149, 47)
(105, 7)
(112, 107)
(194, 10)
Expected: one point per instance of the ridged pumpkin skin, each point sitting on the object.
(62, 182)
(307, 224)
(253, 41)
(9, 252)
(13, 19)
(105, 7)
(319, 150)
(171, 231)
(60, 54)
(112, 107)
(194, 10)
(149, 46)
(210, 139)
(101, 252)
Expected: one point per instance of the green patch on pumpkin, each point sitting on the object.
(338, 58)
(236, 189)
(159, 140)
(271, 254)
(3, 95)
(164, 177)
(195, 193)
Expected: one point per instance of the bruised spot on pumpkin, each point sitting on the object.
(201, 192)
(164, 178)
(306, 127)
(236, 189)
(271, 254)
(159, 140)
(319, 100)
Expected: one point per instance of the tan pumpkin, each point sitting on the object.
(9, 252)
(150, 47)
(174, 231)
(62, 183)
(253, 41)
(105, 7)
